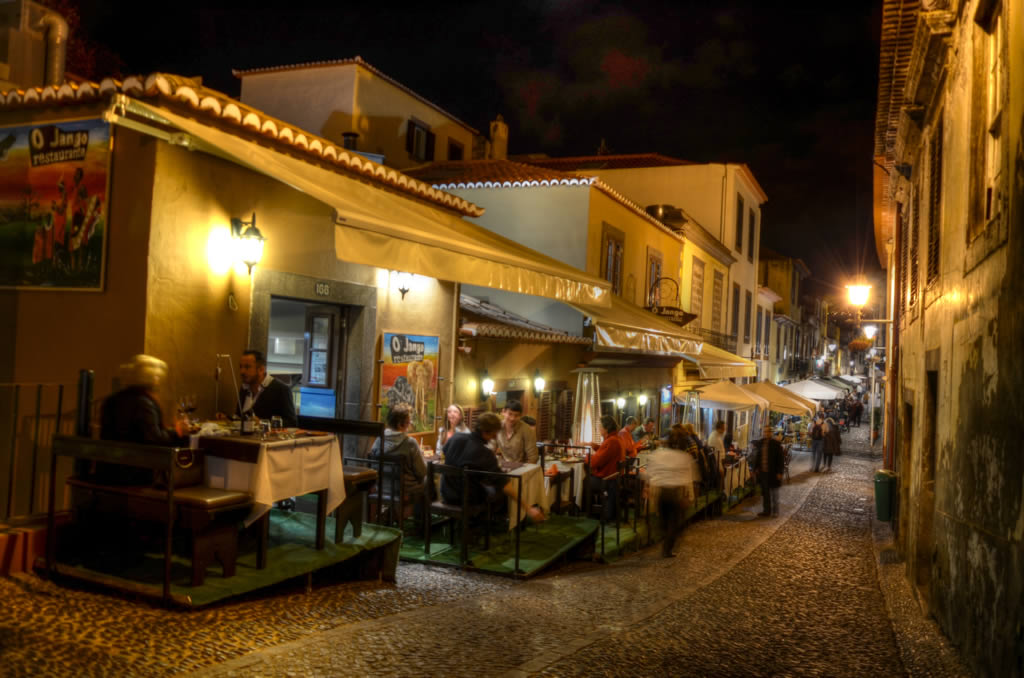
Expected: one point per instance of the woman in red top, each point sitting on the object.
(605, 461)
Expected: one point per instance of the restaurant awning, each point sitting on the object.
(725, 395)
(625, 326)
(382, 228)
(717, 363)
(814, 390)
(781, 400)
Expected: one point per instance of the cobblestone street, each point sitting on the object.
(804, 593)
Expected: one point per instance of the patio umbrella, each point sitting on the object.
(781, 400)
(815, 390)
(725, 395)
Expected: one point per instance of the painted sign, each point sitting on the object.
(665, 410)
(53, 204)
(408, 376)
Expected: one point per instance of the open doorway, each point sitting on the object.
(925, 540)
(306, 350)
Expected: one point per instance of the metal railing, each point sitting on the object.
(717, 339)
(31, 414)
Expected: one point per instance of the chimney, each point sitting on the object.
(499, 139)
(56, 29)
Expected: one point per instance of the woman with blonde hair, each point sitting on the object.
(454, 422)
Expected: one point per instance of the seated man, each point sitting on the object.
(133, 415)
(265, 396)
(643, 437)
(396, 442)
(515, 440)
(470, 451)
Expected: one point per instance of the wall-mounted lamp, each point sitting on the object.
(486, 385)
(248, 241)
(642, 399)
(538, 383)
(402, 282)
(870, 331)
(620, 402)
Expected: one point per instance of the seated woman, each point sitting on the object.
(133, 415)
(396, 442)
(605, 461)
(454, 422)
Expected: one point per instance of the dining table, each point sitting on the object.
(277, 466)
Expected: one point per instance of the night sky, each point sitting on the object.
(788, 88)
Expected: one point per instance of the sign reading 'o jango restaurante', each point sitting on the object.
(53, 204)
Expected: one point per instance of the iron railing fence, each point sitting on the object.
(31, 414)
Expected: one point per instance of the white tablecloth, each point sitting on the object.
(286, 468)
(533, 491)
(735, 476)
(568, 492)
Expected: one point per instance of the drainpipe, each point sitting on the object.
(56, 29)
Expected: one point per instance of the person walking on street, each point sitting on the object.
(817, 443)
(833, 442)
(669, 474)
(769, 464)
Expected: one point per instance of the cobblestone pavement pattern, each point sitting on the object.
(799, 594)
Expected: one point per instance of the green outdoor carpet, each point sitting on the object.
(291, 553)
(647, 531)
(539, 546)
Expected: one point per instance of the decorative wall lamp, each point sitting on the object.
(402, 282)
(870, 331)
(486, 385)
(248, 241)
(642, 399)
(620, 402)
(538, 383)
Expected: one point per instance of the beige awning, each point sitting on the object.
(382, 228)
(629, 327)
(717, 363)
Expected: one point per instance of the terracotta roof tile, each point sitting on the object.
(602, 162)
(356, 60)
(179, 92)
(499, 323)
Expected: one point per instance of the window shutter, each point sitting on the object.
(471, 415)
(563, 419)
(544, 417)
(430, 147)
(410, 136)
(935, 202)
(915, 232)
(901, 224)
(739, 223)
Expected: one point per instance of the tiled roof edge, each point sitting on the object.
(216, 105)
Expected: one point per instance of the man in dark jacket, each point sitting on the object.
(265, 396)
(768, 463)
(470, 451)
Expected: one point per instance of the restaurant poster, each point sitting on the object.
(53, 204)
(408, 376)
(665, 409)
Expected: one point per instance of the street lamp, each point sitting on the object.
(858, 295)
(870, 331)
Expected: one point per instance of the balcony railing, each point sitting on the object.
(717, 339)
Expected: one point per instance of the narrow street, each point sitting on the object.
(800, 594)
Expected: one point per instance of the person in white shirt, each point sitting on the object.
(716, 441)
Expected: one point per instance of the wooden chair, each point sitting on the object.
(604, 491)
(460, 513)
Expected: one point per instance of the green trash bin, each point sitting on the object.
(885, 491)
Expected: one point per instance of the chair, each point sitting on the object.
(605, 491)
(461, 513)
(391, 495)
(630, 492)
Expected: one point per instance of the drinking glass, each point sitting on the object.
(276, 423)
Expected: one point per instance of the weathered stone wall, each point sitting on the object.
(961, 374)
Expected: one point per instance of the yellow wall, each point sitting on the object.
(188, 318)
(640, 234)
(691, 250)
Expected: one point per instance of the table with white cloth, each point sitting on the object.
(735, 476)
(277, 467)
(533, 492)
(568, 491)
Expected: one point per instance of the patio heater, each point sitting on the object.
(691, 410)
(586, 406)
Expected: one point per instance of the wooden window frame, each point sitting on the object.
(717, 281)
(736, 310)
(655, 266)
(747, 309)
(935, 201)
(612, 258)
(697, 308)
(412, 144)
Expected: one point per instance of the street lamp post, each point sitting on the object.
(858, 295)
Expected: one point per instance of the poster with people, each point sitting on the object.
(53, 204)
(408, 376)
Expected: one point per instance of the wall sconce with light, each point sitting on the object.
(538, 383)
(248, 241)
(401, 282)
(642, 399)
(486, 385)
(620, 402)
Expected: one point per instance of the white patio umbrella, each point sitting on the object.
(781, 400)
(815, 390)
(725, 395)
